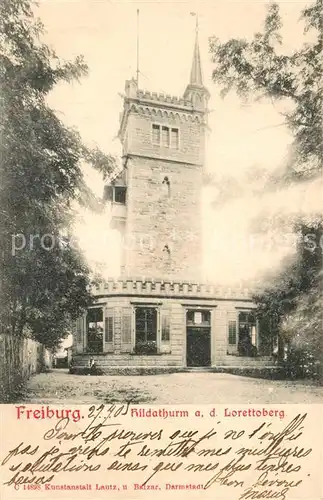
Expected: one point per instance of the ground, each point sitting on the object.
(58, 386)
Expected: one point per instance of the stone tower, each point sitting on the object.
(159, 314)
(156, 200)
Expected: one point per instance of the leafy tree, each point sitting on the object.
(44, 279)
(260, 70)
(301, 330)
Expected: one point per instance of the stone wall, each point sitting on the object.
(138, 137)
(19, 359)
(158, 217)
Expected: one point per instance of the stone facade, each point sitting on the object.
(158, 314)
(119, 300)
(163, 231)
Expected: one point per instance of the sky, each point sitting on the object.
(105, 33)
(240, 135)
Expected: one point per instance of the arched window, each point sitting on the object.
(166, 185)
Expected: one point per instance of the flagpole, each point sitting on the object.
(137, 72)
(195, 14)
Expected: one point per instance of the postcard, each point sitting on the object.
(161, 250)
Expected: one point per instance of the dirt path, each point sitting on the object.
(59, 386)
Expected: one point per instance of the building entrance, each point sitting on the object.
(198, 338)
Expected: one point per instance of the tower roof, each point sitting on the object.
(196, 71)
(195, 90)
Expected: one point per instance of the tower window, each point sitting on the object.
(165, 136)
(116, 194)
(156, 134)
(174, 138)
(120, 194)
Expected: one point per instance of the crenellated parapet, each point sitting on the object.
(159, 106)
(144, 95)
(177, 289)
(133, 93)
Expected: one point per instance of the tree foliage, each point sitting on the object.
(259, 69)
(44, 284)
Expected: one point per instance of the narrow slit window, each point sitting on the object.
(166, 249)
(166, 185)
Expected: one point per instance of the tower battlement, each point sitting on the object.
(195, 97)
(176, 101)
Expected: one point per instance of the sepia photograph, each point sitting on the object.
(161, 202)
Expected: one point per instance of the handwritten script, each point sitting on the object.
(108, 449)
